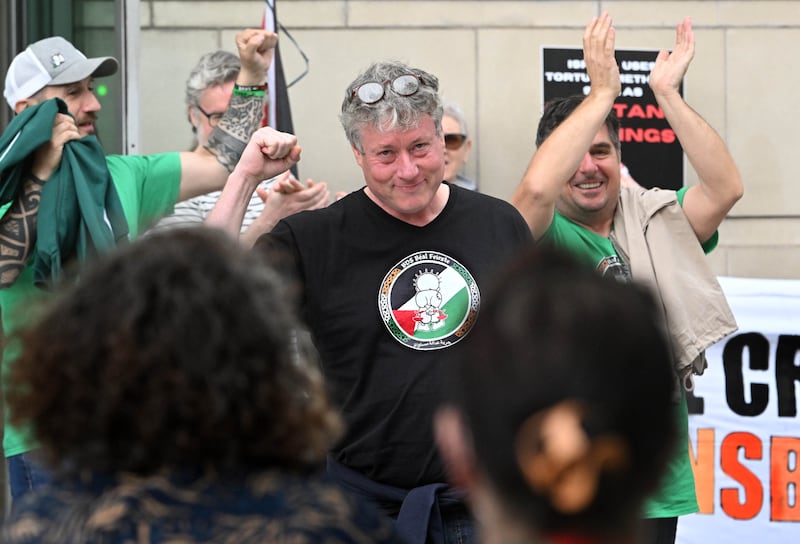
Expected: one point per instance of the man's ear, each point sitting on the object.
(22, 104)
(191, 115)
(358, 155)
(455, 447)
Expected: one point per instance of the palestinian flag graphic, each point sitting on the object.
(428, 301)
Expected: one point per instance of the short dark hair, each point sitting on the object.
(552, 331)
(558, 109)
(179, 349)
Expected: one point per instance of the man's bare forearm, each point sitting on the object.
(18, 231)
(229, 138)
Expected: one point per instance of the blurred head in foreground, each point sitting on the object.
(179, 349)
(559, 418)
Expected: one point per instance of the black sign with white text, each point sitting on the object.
(650, 149)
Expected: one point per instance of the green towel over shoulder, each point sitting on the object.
(80, 214)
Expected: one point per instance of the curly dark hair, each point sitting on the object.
(178, 349)
(552, 331)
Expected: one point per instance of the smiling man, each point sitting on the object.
(54, 68)
(571, 197)
(392, 276)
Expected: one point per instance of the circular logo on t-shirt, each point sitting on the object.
(428, 301)
(614, 267)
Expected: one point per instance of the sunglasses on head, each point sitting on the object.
(373, 91)
(454, 141)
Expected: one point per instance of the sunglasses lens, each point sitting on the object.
(454, 141)
(405, 85)
(371, 92)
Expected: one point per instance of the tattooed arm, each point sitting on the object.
(18, 231)
(18, 224)
(206, 169)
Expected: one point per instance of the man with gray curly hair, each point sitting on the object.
(215, 71)
(391, 278)
(208, 93)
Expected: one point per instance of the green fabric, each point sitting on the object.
(79, 213)
(16, 147)
(676, 496)
(147, 188)
(590, 248)
(710, 244)
(16, 302)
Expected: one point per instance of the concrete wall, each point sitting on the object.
(744, 80)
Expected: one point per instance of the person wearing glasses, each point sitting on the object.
(90, 202)
(208, 93)
(571, 197)
(391, 278)
(53, 69)
(457, 146)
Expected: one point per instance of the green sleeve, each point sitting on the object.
(710, 244)
(147, 185)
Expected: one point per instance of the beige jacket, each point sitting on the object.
(652, 234)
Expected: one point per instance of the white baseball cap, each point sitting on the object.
(51, 61)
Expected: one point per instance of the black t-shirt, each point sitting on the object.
(384, 300)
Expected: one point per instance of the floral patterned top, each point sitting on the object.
(272, 506)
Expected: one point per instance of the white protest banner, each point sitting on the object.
(745, 434)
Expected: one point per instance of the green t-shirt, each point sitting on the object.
(148, 188)
(676, 495)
